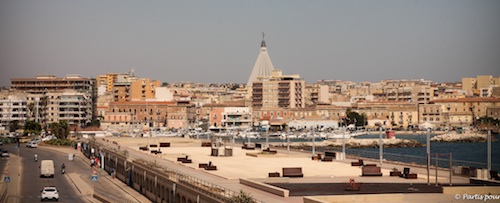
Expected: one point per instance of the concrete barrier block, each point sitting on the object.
(265, 187)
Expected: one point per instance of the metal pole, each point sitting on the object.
(428, 156)
(437, 169)
(343, 144)
(287, 143)
(451, 168)
(380, 146)
(489, 154)
(267, 136)
(313, 145)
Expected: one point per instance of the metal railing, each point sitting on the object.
(203, 187)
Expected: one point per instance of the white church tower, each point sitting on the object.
(263, 66)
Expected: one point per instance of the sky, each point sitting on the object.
(211, 41)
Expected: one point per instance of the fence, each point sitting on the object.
(419, 160)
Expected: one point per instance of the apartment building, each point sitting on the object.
(316, 94)
(230, 118)
(462, 111)
(153, 114)
(74, 107)
(415, 91)
(12, 108)
(139, 90)
(45, 83)
(392, 114)
(108, 80)
(71, 98)
(278, 90)
(480, 85)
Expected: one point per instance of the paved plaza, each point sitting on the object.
(327, 177)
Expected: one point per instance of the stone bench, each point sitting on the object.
(331, 154)
(327, 159)
(210, 167)
(371, 171)
(269, 151)
(206, 144)
(293, 172)
(358, 163)
(248, 146)
(274, 174)
(155, 152)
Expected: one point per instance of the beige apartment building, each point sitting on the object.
(138, 90)
(71, 99)
(392, 114)
(462, 112)
(414, 91)
(74, 107)
(109, 79)
(316, 94)
(155, 114)
(45, 83)
(278, 91)
(230, 118)
(481, 85)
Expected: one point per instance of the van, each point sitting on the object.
(47, 168)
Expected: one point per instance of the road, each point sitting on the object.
(31, 183)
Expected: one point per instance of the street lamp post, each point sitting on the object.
(489, 154)
(313, 144)
(343, 143)
(381, 146)
(428, 143)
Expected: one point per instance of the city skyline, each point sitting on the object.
(207, 41)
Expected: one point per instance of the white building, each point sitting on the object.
(12, 108)
(71, 106)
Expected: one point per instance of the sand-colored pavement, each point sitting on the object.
(241, 165)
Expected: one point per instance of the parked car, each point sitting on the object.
(32, 144)
(5, 153)
(50, 193)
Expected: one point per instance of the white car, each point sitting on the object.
(32, 144)
(50, 193)
(5, 153)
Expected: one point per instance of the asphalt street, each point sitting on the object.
(30, 183)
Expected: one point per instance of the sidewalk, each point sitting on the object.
(106, 187)
(13, 171)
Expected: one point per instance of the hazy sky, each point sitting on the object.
(218, 41)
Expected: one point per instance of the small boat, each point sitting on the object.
(390, 134)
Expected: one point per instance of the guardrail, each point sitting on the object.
(420, 160)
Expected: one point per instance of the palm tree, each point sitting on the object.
(242, 197)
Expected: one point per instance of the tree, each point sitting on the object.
(242, 197)
(14, 125)
(235, 86)
(32, 127)
(355, 118)
(60, 130)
